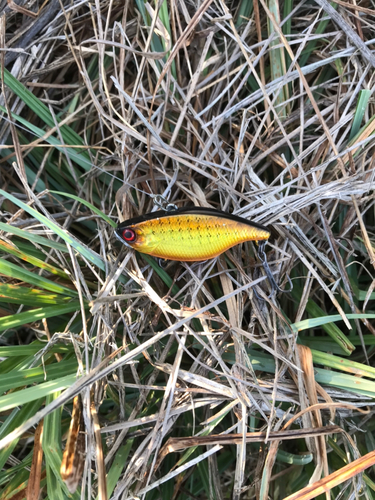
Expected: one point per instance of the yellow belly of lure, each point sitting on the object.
(188, 234)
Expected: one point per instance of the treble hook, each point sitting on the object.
(162, 203)
(263, 258)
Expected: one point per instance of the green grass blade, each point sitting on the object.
(16, 272)
(117, 466)
(16, 418)
(10, 249)
(362, 103)
(347, 365)
(88, 205)
(31, 349)
(15, 294)
(333, 330)
(315, 322)
(83, 250)
(34, 238)
(14, 320)
(41, 110)
(20, 378)
(19, 398)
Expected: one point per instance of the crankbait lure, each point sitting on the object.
(188, 234)
(193, 234)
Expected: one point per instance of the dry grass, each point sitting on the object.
(227, 105)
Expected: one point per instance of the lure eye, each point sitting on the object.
(128, 235)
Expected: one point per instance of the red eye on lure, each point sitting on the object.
(128, 235)
(191, 234)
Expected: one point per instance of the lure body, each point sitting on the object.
(188, 234)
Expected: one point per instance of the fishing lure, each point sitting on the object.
(188, 234)
(192, 234)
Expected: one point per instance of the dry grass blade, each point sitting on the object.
(176, 444)
(321, 406)
(335, 479)
(102, 481)
(349, 32)
(33, 484)
(74, 456)
(318, 446)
